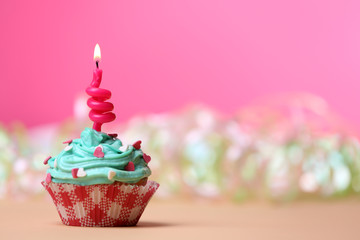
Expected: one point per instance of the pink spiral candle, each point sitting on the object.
(100, 110)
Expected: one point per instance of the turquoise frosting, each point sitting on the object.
(81, 155)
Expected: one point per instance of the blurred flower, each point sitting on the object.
(283, 148)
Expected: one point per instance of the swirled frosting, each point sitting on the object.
(79, 154)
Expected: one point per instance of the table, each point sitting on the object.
(171, 220)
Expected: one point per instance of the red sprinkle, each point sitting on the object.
(99, 152)
(46, 160)
(130, 166)
(68, 141)
(113, 135)
(146, 158)
(137, 145)
(48, 178)
(74, 172)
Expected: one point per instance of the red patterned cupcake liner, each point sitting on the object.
(101, 205)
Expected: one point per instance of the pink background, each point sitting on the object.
(162, 55)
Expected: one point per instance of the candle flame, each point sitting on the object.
(97, 53)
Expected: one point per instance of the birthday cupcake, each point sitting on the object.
(96, 181)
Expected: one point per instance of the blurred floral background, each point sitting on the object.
(234, 100)
(286, 148)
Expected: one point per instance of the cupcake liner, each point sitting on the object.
(100, 205)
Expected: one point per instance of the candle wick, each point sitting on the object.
(97, 64)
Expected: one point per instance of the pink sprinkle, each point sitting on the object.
(48, 178)
(68, 141)
(74, 172)
(130, 167)
(146, 158)
(137, 145)
(113, 135)
(46, 160)
(99, 152)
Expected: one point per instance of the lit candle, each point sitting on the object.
(100, 110)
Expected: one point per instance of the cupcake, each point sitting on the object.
(96, 181)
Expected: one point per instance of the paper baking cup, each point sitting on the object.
(101, 205)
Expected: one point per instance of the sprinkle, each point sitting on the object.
(137, 145)
(68, 141)
(113, 135)
(48, 178)
(146, 158)
(111, 174)
(74, 172)
(68, 148)
(55, 163)
(99, 152)
(123, 148)
(81, 172)
(130, 167)
(46, 160)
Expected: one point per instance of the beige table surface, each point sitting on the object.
(171, 220)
